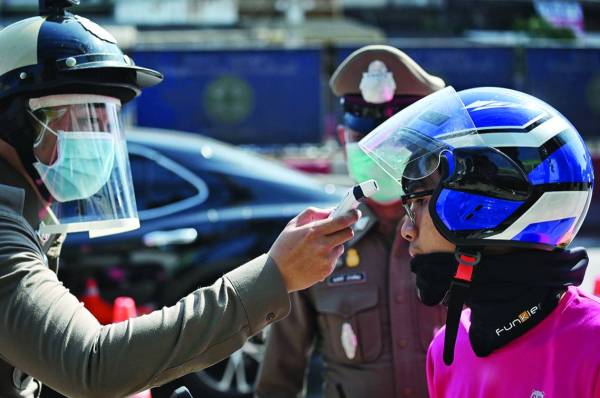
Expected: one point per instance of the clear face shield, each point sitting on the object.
(83, 161)
(409, 145)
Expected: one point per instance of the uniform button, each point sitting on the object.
(402, 344)
(408, 392)
(270, 316)
(400, 299)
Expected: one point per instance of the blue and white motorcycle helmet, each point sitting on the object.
(63, 82)
(517, 173)
(514, 173)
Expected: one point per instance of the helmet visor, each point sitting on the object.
(409, 145)
(81, 157)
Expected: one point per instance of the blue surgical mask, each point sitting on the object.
(361, 168)
(83, 166)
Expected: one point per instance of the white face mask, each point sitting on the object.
(377, 85)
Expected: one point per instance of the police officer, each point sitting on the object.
(365, 317)
(64, 168)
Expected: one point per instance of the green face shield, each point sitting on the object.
(362, 168)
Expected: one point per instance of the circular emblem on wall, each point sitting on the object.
(228, 99)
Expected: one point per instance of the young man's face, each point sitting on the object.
(423, 236)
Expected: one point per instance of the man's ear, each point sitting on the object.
(10, 154)
(341, 133)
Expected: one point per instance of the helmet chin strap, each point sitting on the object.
(456, 296)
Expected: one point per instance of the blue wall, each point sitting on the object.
(569, 80)
(249, 96)
(280, 96)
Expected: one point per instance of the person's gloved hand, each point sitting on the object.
(309, 246)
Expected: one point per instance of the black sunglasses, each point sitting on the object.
(409, 197)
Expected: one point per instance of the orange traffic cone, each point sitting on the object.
(91, 299)
(124, 309)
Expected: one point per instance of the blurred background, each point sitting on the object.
(241, 135)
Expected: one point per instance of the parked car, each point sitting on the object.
(205, 207)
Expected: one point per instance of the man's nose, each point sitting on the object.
(408, 229)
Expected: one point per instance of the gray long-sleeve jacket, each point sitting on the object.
(46, 334)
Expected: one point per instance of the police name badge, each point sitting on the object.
(349, 340)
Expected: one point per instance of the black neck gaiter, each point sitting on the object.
(510, 293)
(434, 272)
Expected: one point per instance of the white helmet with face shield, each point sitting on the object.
(81, 157)
(63, 80)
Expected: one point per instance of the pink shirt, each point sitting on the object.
(559, 358)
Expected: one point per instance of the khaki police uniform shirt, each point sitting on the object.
(46, 334)
(367, 321)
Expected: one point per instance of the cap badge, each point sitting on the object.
(377, 84)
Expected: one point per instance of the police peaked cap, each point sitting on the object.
(58, 52)
(410, 78)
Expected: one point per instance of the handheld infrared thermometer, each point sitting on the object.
(354, 196)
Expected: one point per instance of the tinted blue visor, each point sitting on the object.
(409, 144)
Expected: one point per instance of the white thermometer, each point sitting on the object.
(354, 196)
